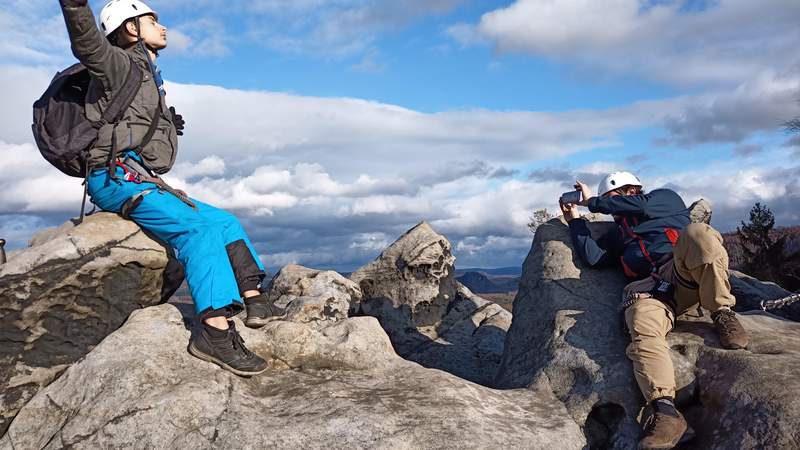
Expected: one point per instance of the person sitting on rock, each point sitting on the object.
(220, 263)
(672, 265)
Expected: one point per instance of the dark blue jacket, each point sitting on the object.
(648, 227)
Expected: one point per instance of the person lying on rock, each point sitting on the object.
(673, 265)
(220, 263)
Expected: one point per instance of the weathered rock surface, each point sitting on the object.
(567, 337)
(313, 295)
(61, 297)
(160, 397)
(469, 340)
(431, 318)
(413, 277)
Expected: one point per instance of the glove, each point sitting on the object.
(178, 121)
(73, 3)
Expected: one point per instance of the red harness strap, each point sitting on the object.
(672, 235)
(129, 175)
(630, 233)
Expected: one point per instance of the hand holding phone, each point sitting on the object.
(572, 197)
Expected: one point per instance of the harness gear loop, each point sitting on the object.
(135, 173)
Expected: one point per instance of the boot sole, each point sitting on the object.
(688, 434)
(260, 322)
(194, 351)
(660, 447)
(734, 346)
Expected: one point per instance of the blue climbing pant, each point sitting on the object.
(203, 238)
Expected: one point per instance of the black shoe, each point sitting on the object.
(260, 311)
(226, 349)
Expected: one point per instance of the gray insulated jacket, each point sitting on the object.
(108, 66)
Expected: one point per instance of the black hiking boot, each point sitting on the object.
(664, 428)
(732, 334)
(226, 349)
(260, 311)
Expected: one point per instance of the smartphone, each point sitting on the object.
(573, 197)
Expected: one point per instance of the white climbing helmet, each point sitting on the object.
(617, 180)
(116, 12)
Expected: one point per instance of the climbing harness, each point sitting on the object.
(136, 173)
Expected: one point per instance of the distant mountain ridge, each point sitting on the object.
(480, 283)
(499, 271)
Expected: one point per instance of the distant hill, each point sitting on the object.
(480, 283)
(500, 271)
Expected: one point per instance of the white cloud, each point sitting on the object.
(330, 29)
(355, 137)
(209, 166)
(33, 32)
(329, 181)
(200, 37)
(762, 103)
(178, 41)
(28, 184)
(724, 41)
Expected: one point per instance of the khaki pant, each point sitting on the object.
(699, 272)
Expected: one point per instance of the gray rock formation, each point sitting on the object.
(567, 337)
(61, 297)
(469, 340)
(349, 392)
(432, 319)
(413, 277)
(311, 295)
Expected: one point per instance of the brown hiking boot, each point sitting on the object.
(664, 428)
(732, 334)
(260, 311)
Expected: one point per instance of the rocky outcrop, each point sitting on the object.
(313, 295)
(62, 296)
(411, 282)
(346, 390)
(469, 340)
(431, 318)
(567, 337)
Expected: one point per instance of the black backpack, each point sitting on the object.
(63, 133)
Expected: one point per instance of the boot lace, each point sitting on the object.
(238, 344)
(726, 321)
(652, 423)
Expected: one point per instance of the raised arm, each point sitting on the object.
(105, 62)
(619, 204)
(657, 203)
(594, 253)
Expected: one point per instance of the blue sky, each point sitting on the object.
(417, 66)
(332, 126)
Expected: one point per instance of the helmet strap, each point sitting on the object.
(141, 42)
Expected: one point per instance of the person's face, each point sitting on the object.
(153, 33)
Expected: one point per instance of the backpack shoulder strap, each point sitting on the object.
(157, 112)
(153, 125)
(122, 100)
